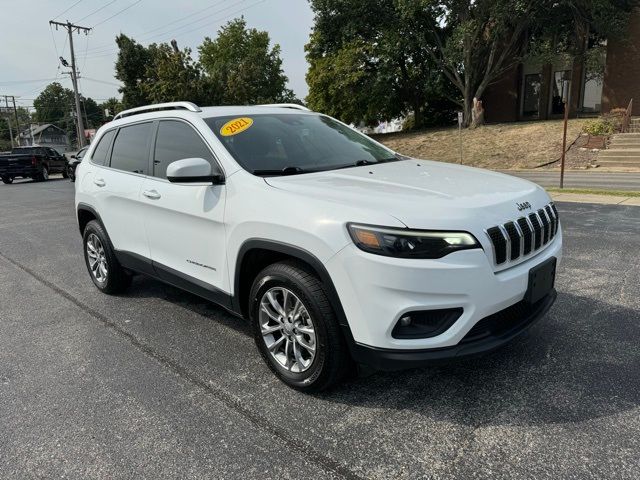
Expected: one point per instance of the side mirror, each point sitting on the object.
(73, 156)
(193, 170)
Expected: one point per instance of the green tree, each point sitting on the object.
(131, 67)
(172, 75)
(56, 105)
(113, 105)
(8, 117)
(369, 62)
(241, 67)
(93, 114)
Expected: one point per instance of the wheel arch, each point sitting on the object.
(273, 251)
(85, 214)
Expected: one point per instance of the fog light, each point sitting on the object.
(425, 323)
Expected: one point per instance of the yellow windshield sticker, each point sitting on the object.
(236, 126)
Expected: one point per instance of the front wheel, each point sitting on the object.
(103, 266)
(71, 174)
(65, 172)
(7, 180)
(295, 328)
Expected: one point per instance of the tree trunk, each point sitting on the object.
(477, 114)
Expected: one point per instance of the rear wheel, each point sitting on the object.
(7, 180)
(295, 328)
(43, 175)
(106, 272)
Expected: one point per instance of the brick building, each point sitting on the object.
(534, 91)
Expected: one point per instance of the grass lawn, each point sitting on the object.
(499, 146)
(587, 191)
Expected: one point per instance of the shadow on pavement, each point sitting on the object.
(580, 362)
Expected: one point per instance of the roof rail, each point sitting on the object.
(192, 107)
(295, 106)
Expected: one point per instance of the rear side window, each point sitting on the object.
(176, 141)
(131, 148)
(99, 156)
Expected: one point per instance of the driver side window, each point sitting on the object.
(177, 140)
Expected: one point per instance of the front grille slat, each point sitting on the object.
(537, 230)
(553, 221)
(528, 235)
(545, 226)
(499, 244)
(555, 210)
(524, 236)
(515, 239)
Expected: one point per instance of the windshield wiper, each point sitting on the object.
(284, 171)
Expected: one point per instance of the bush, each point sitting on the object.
(614, 117)
(600, 127)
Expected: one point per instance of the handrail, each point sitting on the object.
(192, 107)
(626, 118)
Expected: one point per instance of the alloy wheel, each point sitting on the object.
(97, 258)
(287, 329)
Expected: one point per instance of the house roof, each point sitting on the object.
(36, 129)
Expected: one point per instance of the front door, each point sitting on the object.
(184, 223)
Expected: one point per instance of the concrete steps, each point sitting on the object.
(623, 149)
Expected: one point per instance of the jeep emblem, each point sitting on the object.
(523, 206)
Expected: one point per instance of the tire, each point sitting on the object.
(330, 361)
(43, 176)
(65, 172)
(111, 278)
(7, 180)
(71, 174)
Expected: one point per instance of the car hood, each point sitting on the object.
(421, 193)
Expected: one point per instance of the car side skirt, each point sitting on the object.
(139, 264)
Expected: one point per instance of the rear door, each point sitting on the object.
(117, 185)
(184, 223)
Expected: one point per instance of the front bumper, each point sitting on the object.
(376, 291)
(394, 359)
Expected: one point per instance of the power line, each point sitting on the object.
(143, 34)
(98, 10)
(208, 24)
(65, 11)
(117, 13)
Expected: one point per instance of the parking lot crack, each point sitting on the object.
(294, 444)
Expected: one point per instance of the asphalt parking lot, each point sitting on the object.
(160, 384)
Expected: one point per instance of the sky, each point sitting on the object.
(29, 57)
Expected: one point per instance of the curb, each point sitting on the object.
(592, 198)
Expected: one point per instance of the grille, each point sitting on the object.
(525, 235)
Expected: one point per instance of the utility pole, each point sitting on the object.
(15, 113)
(74, 73)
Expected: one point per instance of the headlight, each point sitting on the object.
(405, 243)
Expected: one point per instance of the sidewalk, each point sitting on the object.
(591, 198)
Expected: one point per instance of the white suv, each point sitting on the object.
(337, 249)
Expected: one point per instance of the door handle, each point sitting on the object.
(152, 194)
(99, 182)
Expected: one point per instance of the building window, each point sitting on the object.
(531, 97)
(557, 106)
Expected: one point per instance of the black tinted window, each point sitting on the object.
(99, 156)
(176, 141)
(130, 149)
(267, 144)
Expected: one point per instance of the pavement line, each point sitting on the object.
(301, 446)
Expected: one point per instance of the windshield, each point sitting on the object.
(286, 144)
